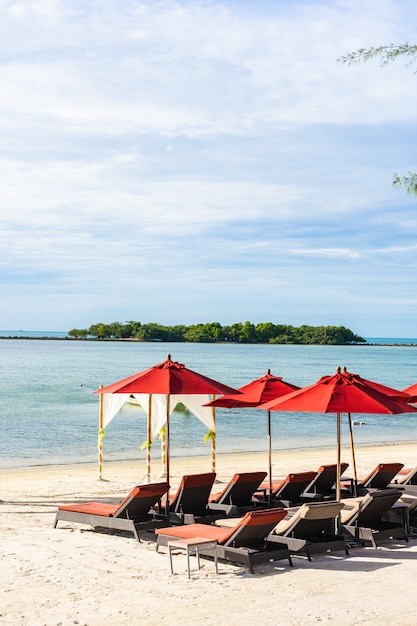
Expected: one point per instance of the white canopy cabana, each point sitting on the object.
(155, 407)
(169, 382)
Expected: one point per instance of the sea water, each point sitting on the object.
(49, 414)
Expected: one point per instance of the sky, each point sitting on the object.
(185, 161)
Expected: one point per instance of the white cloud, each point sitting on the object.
(187, 148)
(328, 252)
(199, 69)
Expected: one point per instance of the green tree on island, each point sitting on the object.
(211, 332)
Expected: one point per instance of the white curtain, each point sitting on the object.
(112, 403)
(194, 404)
(159, 409)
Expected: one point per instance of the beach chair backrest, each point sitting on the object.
(140, 500)
(382, 476)
(294, 485)
(315, 519)
(373, 507)
(321, 510)
(407, 477)
(326, 478)
(193, 493)
(254, 528)
(240, 489)
(409, 500)
(310, 520)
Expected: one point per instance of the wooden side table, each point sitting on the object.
(193, 546)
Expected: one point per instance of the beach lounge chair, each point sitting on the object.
(237, 494)
(190, 502)
(405, 511)
(245, 543)
(379, 478)
(310, 529)
(410, 500)
(323, 485)
(406, 476)
(134, 513)
(287, 492)
(363, 518)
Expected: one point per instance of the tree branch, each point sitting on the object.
(385, 53)
(409, 182)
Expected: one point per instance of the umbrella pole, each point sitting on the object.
(100, 436)
(163, 451)
(352, 447)
(213, 444)
(148, 441)
(269, 459)
(338, 472)
(167, 457)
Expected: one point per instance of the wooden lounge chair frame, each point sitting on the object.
(190, 502)
(410, 499)
(287, 492)
(324, 483)
(133, 514)
(405, 510)
(379, 478)
(245, 544)
(308, 532)
(237, 494)
(406, 477)
(365, 521)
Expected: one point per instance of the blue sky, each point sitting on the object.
(195, 161)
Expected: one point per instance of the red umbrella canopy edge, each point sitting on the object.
(340, 393)
(167, 378)
(258, 391)
(389, 391)
(412, 392)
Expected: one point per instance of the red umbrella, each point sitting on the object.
(412, 391)
(257, 392)
(167, 378)
(340, 393)
(253, 394)
(389, 391)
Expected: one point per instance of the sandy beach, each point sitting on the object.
(76, 575)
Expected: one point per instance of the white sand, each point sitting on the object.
(75, 575)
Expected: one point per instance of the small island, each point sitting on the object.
(214, 332)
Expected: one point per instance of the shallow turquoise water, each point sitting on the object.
(49, 414)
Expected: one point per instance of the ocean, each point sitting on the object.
(49, 414)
